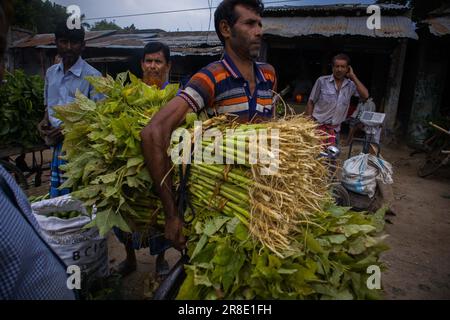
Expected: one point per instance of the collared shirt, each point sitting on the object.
(60, 88)
(330, 104)
(220, 88)
(29, 268)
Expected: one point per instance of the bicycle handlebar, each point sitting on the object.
(439, 128)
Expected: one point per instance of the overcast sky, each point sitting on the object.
(186, 21)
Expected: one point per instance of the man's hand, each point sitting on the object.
(55, 133)
(43, 127)
(350, 74)
(309, 110)
(362, 90)
(174, 232)
(54, 136)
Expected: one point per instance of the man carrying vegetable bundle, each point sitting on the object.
(330, 97)
(155, 66)
(62, 81)
(236, 84)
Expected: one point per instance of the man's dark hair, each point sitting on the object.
(341, 56)
(63, 32)
(225, 11)
(5, 16)
(153, 47)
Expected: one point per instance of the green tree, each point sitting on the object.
(130, 29)
(37, 15)
(105, 25)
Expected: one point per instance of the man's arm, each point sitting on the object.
(44, 123)
(313, 97)
(362, 90)
(309, 108)
(44, 127)
(155, 143)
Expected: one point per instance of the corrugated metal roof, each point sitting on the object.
(107, 59)
(197, 51)
(289, 27)
(46, 39)
(172, 39)
(334, 9)
(439, 26)
(180, 43)
(36, 40)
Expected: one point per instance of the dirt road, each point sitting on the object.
(419, 258)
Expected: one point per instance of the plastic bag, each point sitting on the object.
(361, 172)
(68, 238)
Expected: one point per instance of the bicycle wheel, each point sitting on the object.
(431, 164)
(340, 195)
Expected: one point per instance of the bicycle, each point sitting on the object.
(18, 167)
(438, 154)
(339, 193)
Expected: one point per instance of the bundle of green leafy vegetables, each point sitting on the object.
(21, 109)
(102, 144)
(328, 255)
(334, 253)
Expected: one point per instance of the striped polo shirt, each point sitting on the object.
(220, 88)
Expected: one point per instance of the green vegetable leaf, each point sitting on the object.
(199, 246)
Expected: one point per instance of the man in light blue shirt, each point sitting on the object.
(62, 81)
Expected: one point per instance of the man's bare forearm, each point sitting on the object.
(158, 165)
(309, 108)
(361, 88)
(155, 143)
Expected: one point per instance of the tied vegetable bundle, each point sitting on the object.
(22, 107)
(277, 235)
(102, 143)
(273, 182)
(253, 235)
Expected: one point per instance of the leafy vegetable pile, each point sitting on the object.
(333, 253)
(102, 144)
(65, 214)
(253, 236)
(22, 107)
(273, 194)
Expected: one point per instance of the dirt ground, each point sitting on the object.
(419, 236)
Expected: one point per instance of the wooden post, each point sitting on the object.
(41, 56)
(394, 85)
(428, 91)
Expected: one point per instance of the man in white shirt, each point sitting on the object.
(330, 97)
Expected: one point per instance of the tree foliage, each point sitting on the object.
(37, 15)
(105, 25)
